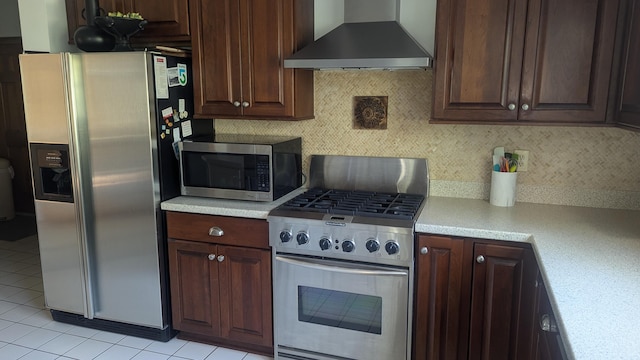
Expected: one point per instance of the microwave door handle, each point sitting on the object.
(317, 265)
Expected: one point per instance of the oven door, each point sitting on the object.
(328, 309)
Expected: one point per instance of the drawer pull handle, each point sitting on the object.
(212, 257)
(220, 258)
(216, 231)
(480, 259)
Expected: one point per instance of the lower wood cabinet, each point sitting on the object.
(547, 343)
(220, 284)
(475, 299)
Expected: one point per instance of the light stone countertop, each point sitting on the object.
(235, 208)
(589, 259)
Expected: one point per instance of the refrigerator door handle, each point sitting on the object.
(74, 92)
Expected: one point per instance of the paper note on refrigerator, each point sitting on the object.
(162, 83)
(176, 134)
(186, 129)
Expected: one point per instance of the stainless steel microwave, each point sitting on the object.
(241, 167)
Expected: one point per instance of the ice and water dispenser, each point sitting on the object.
(51, 172)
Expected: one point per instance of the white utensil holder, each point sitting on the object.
(503, 188)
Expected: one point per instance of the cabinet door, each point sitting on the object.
(629, 103)
(168, 19)
(193, 278)
(215, 31)
(567, 60)
(267, 87)
(245, 295)
(502, 302)
(439, 288)
(478, 59)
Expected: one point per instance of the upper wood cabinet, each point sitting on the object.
(628, 107)
(168, 19)
(516, 61)
(239, 49)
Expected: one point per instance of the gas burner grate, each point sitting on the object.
(357, 203)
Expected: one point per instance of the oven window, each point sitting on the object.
(340, 309)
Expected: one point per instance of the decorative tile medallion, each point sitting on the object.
(370, 112)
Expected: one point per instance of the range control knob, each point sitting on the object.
(302, 238)
(325, 244)
(392, 247)
(372, 245)
(348, 246)
(285, 236)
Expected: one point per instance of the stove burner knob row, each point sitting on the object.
(392, 247)
(372, 245)
(302, 238)
(285, 236)
(348, 246)
(325, 243)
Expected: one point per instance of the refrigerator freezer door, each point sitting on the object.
(121, 164)
(44, 92)
(59, 255)
(62, 254)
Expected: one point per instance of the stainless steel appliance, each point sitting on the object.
(343, 259)
(101, 129)
(241, 167)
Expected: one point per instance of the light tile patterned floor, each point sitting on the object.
(27, 331)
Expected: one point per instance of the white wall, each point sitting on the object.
(9, 19)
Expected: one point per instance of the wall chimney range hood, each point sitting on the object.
(370, 37)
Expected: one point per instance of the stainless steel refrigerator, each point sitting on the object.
(102, 130)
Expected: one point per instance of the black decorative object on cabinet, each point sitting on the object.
(91, 38)
(121, 28)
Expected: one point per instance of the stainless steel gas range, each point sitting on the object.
(343, 259)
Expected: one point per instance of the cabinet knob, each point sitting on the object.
(525, 107)
(424, 251)
(548, 323)
(245, 104)
(480, 259)
(512, 106)
(216, 231)
(220, 258)
(236, 103)
(212, 257)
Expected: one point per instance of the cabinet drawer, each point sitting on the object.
(235, 231)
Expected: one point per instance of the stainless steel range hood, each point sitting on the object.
(370, 37)
(382, 44)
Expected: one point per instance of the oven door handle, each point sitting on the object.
(325, 265)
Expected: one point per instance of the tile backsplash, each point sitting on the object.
(583, 166)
